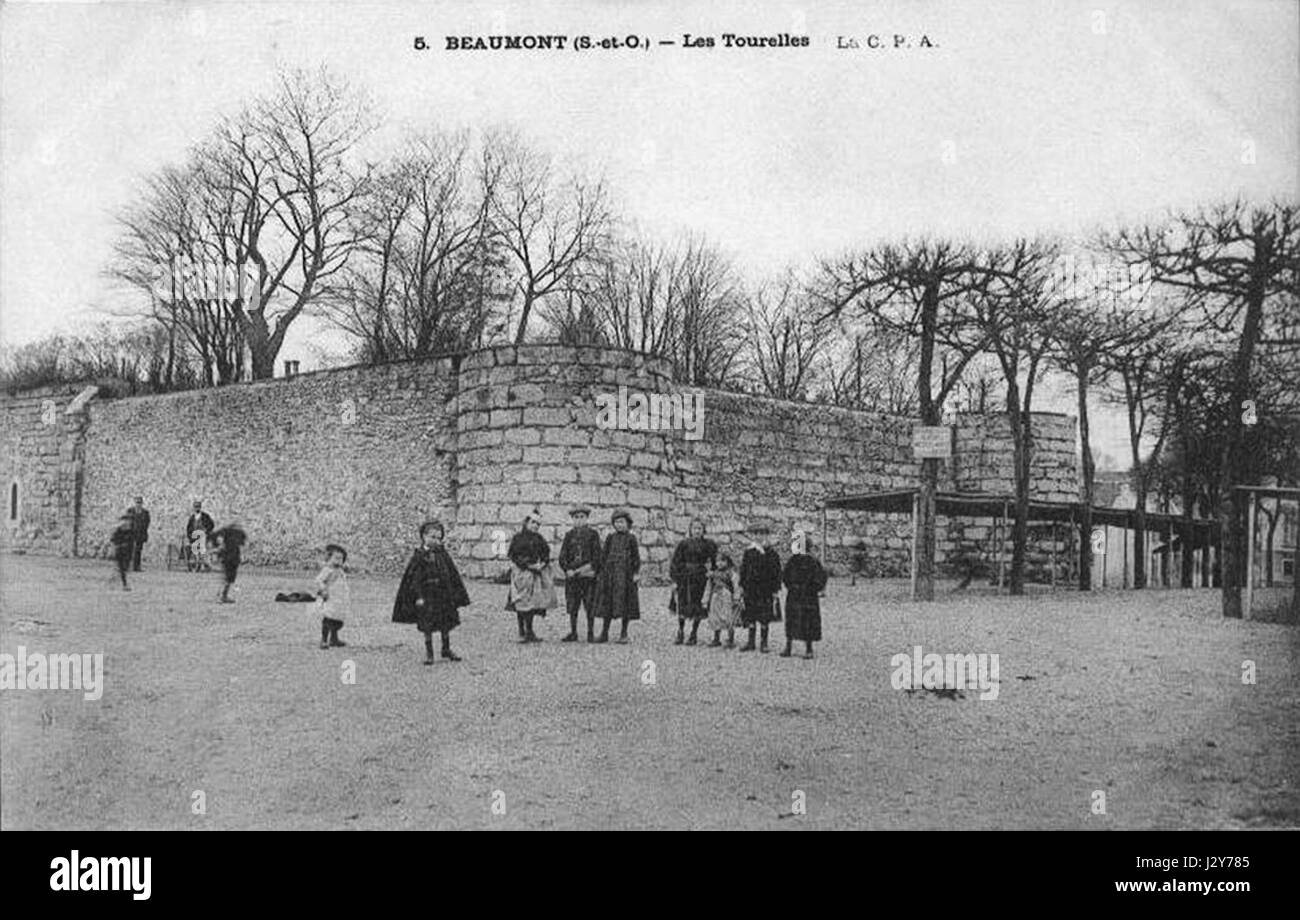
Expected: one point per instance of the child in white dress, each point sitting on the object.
(332, 596)
(721, 602)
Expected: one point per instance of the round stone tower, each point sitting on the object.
(534, 431)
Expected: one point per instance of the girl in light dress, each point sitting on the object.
(723, 602)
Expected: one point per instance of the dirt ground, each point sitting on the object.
(1138, 695)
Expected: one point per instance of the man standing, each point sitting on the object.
(580, 562)
(139, 517)
(198, 531)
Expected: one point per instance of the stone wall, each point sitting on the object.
(779, 461)
(361, 455)
(529, 438)
(40, 469)
(357, 457)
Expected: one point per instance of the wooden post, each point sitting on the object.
(1124, 580)
(916, 509)
(1253, 500)
(1002, 538)
(826, 550)
(1055, 534)
(1105, 551)
(1169, 552)
(1074, 557)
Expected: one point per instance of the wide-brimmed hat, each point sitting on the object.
(620, 513)
(579, 509)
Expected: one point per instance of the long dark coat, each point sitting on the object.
(430, 575)
(804, 580)
(139, 523)
(617, 595)
(760, 580)
(692, 561)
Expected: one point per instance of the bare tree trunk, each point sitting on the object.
(1188, 573)
(1230, 517)
(1295, 579)
(1020, 460)
(929, 488)
(1140, 536)
(1268, 547)
(523, 319)
(1089, 486)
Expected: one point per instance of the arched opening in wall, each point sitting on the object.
(15, 496)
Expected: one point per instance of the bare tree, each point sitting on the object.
(786, 341)
(706, 290)
(981, 386)
(680, 300)
(426, 273)
(282, 172)
(550, 224)
(1014, 315)
(869, 370)
(169, 249)
(1237, 263)
(632, 292)
(921, 289)
(1091, 321)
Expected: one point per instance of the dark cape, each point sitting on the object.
(692, 561)
(804, 580)
(760, 580)
(430, 575)
(617, 595)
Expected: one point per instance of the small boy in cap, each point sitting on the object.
(580, 562)
(760, 581)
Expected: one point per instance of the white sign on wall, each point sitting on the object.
(932, 441)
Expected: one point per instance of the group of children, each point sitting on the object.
(601, 579)
(707, 589)
(228, 543)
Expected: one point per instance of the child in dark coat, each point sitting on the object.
(760, 580)
(123, 540)
(580, 562)
(693, 560)
(617, 585)
(431, 592)
(804, 579)
(230, 542)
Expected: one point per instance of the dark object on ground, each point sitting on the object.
(296, 597)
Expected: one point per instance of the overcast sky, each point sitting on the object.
(1026, 116)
